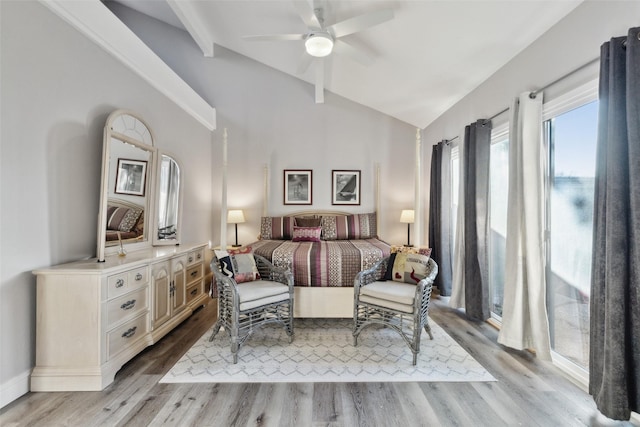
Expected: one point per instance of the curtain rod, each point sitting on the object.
(448, 141)
(533, 93)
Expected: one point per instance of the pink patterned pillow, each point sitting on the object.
(306, 234)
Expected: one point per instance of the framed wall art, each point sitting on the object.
(131, 177)
(345, 187)
(298, 186)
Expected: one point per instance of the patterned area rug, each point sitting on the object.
(323, 351)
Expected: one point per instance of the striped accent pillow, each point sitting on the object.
(122, 219)
(276, 227)
(335, 227)
(345, 227)
(362, 226)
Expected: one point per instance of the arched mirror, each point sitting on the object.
(167, 230)
(128, 183)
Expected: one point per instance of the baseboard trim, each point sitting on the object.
(14, 388)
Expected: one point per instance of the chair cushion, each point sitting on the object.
(261, 292)
(407, 267)
(402, 293)
(238, 264)
(395, 306)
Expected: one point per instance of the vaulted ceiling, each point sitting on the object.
(416, 65)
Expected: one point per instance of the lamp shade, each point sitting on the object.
(319, 44)
(235, 216)
(407, 216)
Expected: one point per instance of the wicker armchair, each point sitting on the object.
(400, 306)
(246, 306)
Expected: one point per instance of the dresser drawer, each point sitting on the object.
(127, 306)
(127, 334)
(127, 281)
(194, 273)
(195, 257)
(194, 292)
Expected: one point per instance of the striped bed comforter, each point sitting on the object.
(324, 263)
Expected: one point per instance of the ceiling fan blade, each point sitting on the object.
(361, 22)
(319, 81)
(303, 64)
(307, 14)
(343, 48)
(277, 37)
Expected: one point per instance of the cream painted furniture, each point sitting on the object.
(93, 317)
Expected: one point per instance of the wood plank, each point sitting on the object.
(528, 392)
(415, 405)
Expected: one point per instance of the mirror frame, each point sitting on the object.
(177, 239)
(150, 204)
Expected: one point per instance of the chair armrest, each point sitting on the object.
(370, 275)
(222, 281)
(268, 271)
(425, 286)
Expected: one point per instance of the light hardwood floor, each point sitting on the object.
(528, 393)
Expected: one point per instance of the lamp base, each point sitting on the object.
(235, 246)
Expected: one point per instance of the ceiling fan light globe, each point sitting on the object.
(319, 45)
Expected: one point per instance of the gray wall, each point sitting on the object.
(272, 120)
(571, 43)
(57, 90)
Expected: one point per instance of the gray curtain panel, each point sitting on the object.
(614, 356)
(440, 215)
(477, 144)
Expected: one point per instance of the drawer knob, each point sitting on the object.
(138, 277)
(199, 256)
(193, 292)
(194, 273)
(128, 305)
(131, 332)
(190, 259)
(119, 283)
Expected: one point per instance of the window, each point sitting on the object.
(498, 190)
(571, 134)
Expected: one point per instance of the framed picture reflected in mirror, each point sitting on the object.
(131, 177)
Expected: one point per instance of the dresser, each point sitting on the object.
(93, 317)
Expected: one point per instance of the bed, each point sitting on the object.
(125, 220)
(324, 251)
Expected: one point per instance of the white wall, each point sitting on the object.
(57, 90)
(272, 120)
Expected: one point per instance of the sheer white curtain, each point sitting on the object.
(457, 282)
(524, 319)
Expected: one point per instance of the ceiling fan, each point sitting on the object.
(321, 41)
